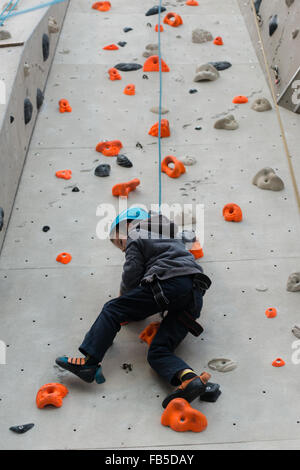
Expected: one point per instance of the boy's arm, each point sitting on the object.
(134, 267)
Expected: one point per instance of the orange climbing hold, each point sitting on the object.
(114, 74)
(64, 106)
(218, 41)
(109, 149)
(64, 174)
(172, 19)
(174, 172)
(197, 250)
(240, 99)
(164, 129)
(102, 6)
(181, 417)
(278, 362)
(152, 65)
(232, 213)
(51, 394)
(111, 47)
(64, 258)
(161, 28)
(271, 312)
(129, 90)
(149, 332)
(192, 3)
(123, 189)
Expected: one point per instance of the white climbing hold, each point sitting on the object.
(267, 179)
(296, 331)
(228, 123)
(4, 35)
(206, 72)
(188, 161)
(26, 69)
(155, 110)
(293, 284)
(151, 49)
(262, 288)
(200, 35)
(222, 365)
(261, 105)
(52, 25)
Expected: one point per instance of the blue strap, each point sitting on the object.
(28, 10)
(159, 116)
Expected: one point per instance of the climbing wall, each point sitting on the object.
(46, 306)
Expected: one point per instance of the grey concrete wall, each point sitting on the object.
(14, 134)
(283, 47)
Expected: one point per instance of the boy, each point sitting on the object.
(159, 275)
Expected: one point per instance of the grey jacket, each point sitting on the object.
(151, 254)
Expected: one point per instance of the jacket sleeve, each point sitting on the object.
(134, 267)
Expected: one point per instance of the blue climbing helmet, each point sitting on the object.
(134, 213)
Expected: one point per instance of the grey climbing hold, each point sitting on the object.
(127, 67)
(262, 288)
(188, 161)
(206, 72)
(26, 69)
(296, 331)
(1, 218)
(222, 365)
(295, 33)
(151, 49)
(221, 65)
(21, 429)
(122, 43)
(289, 2)
(11, 119)
(155, 10)
(75, 189)
(267, 179)
(293, 284)
(145, 77)
(261, 105)
(124, 161)
(155, 110)
(28, 110)
(102, 170)
(4, 35)
(257, 4)
(39, 98)
(45, 46)
(273, 24)
(127, 29)
(52, 25)
(228, 123)
(200, 35)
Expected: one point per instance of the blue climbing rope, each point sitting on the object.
(10, 7)
(28, 10)
(159, 111)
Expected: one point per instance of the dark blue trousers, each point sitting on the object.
(139, 304)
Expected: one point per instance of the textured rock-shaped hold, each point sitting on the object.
(45, 46)
(296, 331)
(188, 161)
(181, 417)
(152, 65)
(39, 98)
(178, 167)
(228, 123)
(164, 129)
(22, 428)
(206, 72)
(221, 65)
(273, 24)
(201, 35)
(155, 10)
(173, 19)
(52, 25)
(102, 170)
(151, 49)
(148, 334)
(124, 161)
(289, 2)
(1, 218)
(4, 35)
(267, 179)
(295, 33)
(222, 365)
(155, 110)
(293, 284)
(232, 213)
(127, 67)
(257, 4)
(26, 69)
(261, 105)
(51, 394)
(28, 110)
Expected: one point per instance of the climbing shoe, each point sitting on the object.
(189, 389)
(79, 367)
(212, 393)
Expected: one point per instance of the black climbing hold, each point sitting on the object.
(273, 25)
(127, 29)
(75, 190)
(122, 43)
(28, 109)
(124, 161)
(45, 46)
(222, 65)
(127, 67)
(127, 367)
(193, 90)
(46, 228)
(149, 25)
(212, 393)
(22, 428)
(1, 218)
(39, 98)
(155, 10)
(139, 146)
(11, 119)
(257, 4)
(102, 170)
(198, 128)
(145, 77)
